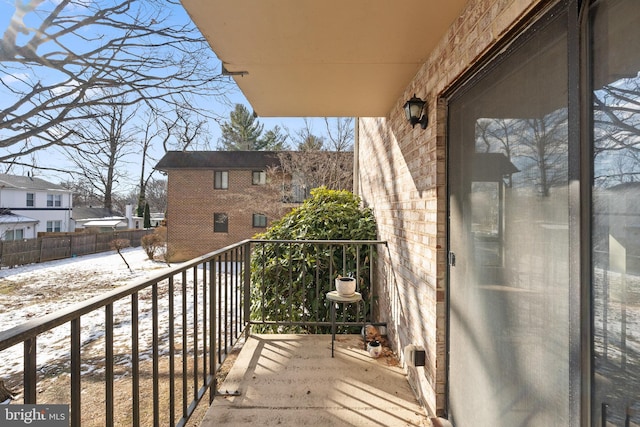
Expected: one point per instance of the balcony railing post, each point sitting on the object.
(155, 355)
(212, 328)
(247, 285)
(195, 333)
(172, 353)
(185, 349)
(76, 362)
(30, 371)
(109, 370)
(135, 362)
(205, 326)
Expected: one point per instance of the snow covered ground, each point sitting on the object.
(35, 290)
(39, 289)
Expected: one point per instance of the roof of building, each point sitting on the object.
(7, 217)
(28, 183)
(82, 213)
(494, 166)
(218, 159)
(626, 186)
(104, 223)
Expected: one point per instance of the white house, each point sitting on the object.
(104, 219)
(30, 205)
(16, 227)
(97, 218)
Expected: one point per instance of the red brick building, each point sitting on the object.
(216, 198)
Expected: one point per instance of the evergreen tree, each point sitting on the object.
(306, 140)
(147, 216)
(311, 143)
(140, 207)
(242, 131)
(273, 140)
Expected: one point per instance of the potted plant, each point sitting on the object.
(346, 286)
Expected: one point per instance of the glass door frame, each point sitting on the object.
(580, 177)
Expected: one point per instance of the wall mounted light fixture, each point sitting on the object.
(416, 112)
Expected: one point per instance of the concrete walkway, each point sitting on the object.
(291, 380)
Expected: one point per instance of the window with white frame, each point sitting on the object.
(54, 200)
(54, 226)
(17, 234)
(259, 220)
(259, 178)
(31, 200)
(221, 180)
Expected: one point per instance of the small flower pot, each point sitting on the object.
(346, 286)
(374, 348)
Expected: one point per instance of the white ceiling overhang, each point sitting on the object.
(297, 58)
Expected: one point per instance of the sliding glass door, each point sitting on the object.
(615, 139)
(509, 238)
(544, 226)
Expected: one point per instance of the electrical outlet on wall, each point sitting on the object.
(414, 355)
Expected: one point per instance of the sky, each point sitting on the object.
(51, 158)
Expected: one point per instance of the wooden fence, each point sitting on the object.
(59, 246)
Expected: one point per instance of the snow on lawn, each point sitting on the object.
(39, 289)
(35, 290)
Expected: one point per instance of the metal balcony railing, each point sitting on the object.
(164, 339)
(289, 280)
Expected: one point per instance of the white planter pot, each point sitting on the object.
(374, 348)
(346, 286)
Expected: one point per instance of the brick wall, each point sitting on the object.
(403, 178)
(193, 201)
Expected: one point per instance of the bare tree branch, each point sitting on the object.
(85, 55)
(109, 140)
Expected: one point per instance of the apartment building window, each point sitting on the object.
(259, 220)
(221, 180)
(259, 178)
(220, 223)
(295, 193)
(54, 226)
(31, 200)
(54, 200)
(14, 234)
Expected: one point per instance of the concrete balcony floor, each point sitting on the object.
(292, 380)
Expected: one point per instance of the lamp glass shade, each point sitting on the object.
(413, 109)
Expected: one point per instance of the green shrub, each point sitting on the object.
(289, 281)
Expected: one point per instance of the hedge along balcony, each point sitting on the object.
(289, 281)
(188, 318)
